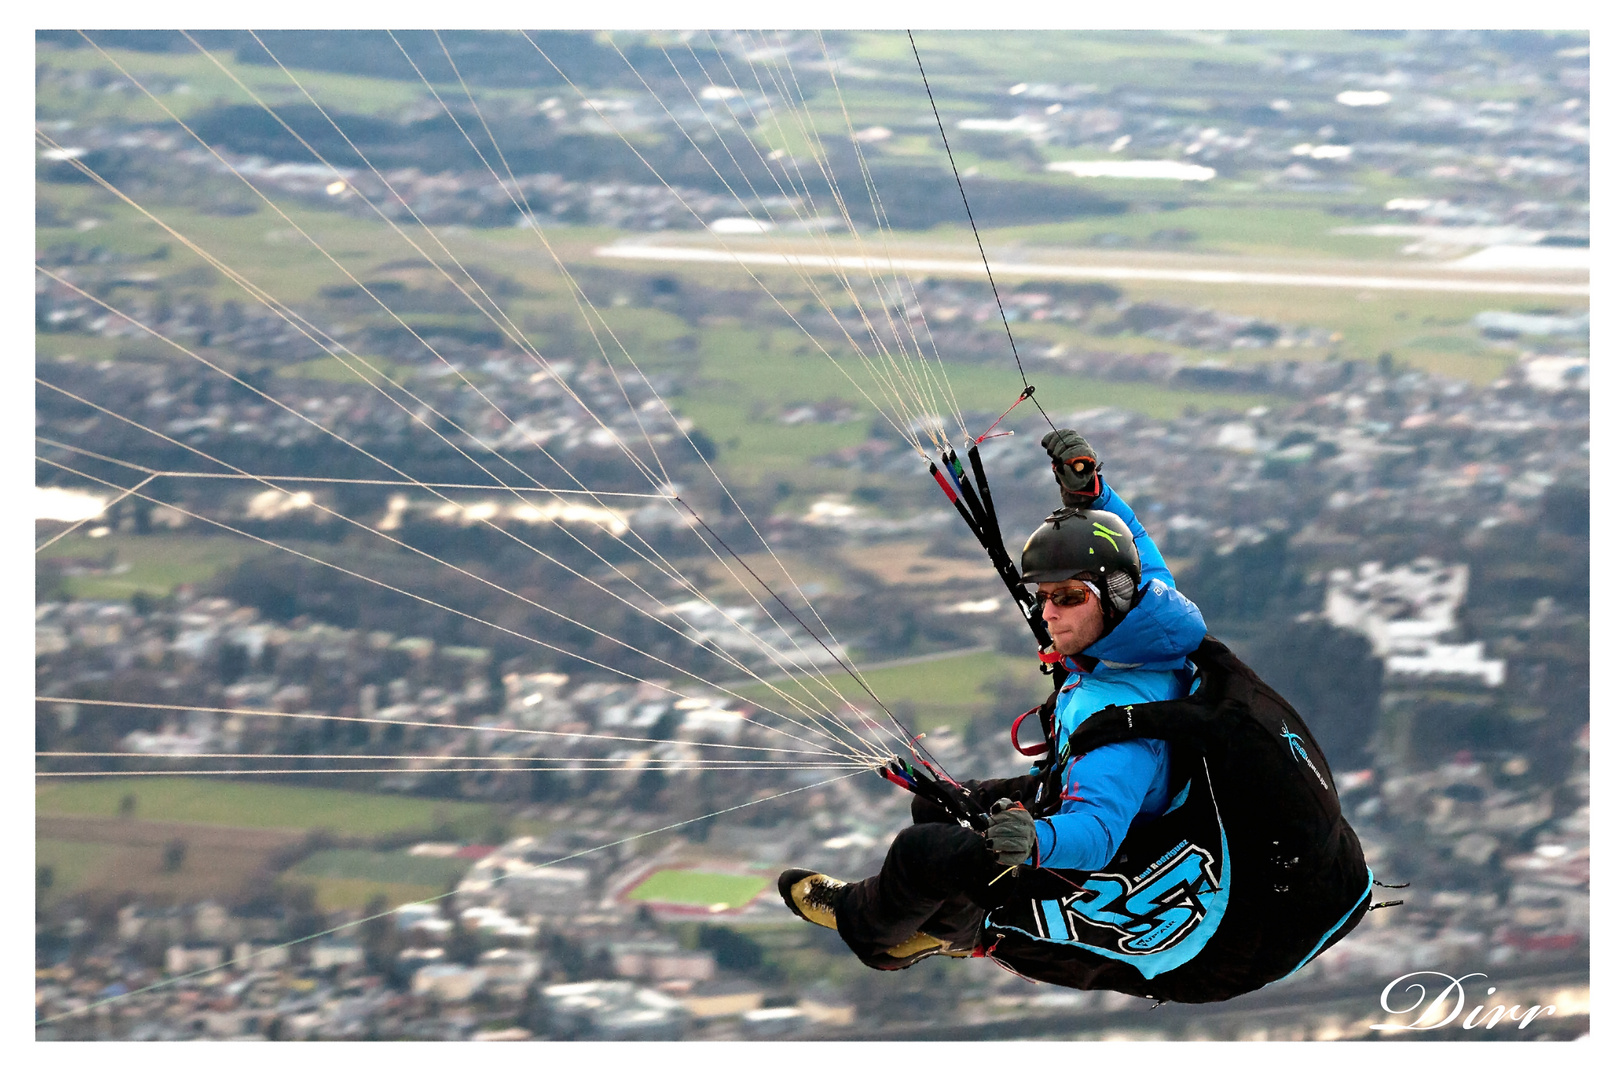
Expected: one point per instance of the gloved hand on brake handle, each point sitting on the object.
(1011, 833)
(1075, 465)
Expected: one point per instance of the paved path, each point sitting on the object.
(1369, 282)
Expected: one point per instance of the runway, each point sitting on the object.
(1415, 282)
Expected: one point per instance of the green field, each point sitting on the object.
(945, 693)
(189, 82)
(72, 863)
(1221, 224)
(348, 879)
(699, 888)
(156, 563)
(353, 894)
(388, 866)
(260, 806)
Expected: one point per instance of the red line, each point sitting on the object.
(1000, 418)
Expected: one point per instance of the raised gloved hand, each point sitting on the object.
(1074, 464)
(1011, 833)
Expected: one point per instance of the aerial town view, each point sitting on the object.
(512, 514)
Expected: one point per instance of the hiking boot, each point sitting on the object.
(917, 947)
(811, 896)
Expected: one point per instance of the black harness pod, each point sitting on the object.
(1250, 873)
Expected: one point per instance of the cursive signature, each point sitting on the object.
(1451, 993)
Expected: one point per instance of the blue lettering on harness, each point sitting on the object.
(1152, 914)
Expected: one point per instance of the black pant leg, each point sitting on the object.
(956, 921)
(927, 875)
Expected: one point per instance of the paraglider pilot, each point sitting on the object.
(1124, 634)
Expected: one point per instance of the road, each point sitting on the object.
(1414, 280)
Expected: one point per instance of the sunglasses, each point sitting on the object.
(1065, 597)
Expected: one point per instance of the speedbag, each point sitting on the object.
(1250, 873)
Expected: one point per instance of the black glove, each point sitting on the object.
(1074, 464)
(1011, 834)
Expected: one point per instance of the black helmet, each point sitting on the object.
(1092, 545)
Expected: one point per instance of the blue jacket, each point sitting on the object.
(1142, 659)
(1104, 791)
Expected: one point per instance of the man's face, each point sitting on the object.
(1075, 627)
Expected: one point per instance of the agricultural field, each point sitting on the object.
(230, 832)
(350, 878)
(187, 800)
(116, 568)
(172, 859)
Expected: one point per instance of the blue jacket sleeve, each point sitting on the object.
(1103, 792)
(1153, 567)
(1164, 626)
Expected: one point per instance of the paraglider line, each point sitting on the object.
(1029, 392)
(911, 738)
(974, 225)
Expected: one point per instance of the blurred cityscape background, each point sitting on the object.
(383, 380)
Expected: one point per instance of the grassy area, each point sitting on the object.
(73, 864)
(1229, 227)
(156, 563)
(745, 376)
(699, 888)
(263, 806)
(966, 60)
(385, 866)
(77, 347)
(945, 693)
(189, 82)
(346, 371)
(353, 894)
(349, 879)
(1429, 331)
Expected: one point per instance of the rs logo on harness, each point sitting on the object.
(1146, 916)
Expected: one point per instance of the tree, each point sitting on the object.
(379, 939)
(733, 951)
(1239, 584)
(1567, 508)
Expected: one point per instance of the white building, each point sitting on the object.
(180, 959)
(617, 1010)
(335, 954)
(660, 961)
(255, 956)
(448, 982)
(1449, 661)
(1404, 611)
(1557, 373)
(509, 972)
